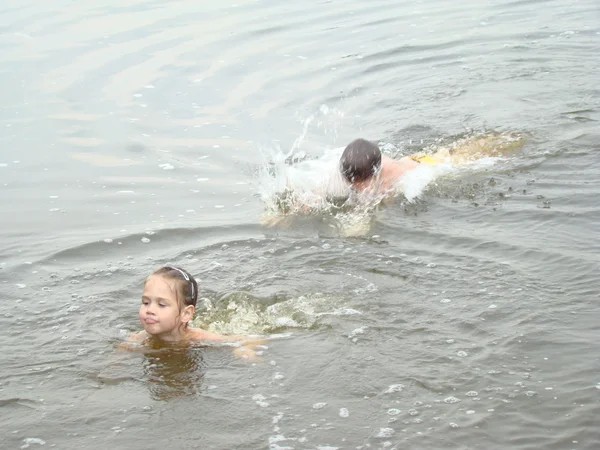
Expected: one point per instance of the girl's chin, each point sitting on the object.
(151, 328)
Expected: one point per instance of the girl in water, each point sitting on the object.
(169, 304)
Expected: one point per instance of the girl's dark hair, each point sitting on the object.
(360, 161)
(187, 287)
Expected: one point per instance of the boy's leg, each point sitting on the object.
(473, 148)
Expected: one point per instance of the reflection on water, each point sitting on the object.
(168, 371)
(171, 372)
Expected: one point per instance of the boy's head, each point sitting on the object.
(360, 161)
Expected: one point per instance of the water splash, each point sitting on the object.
(240, 313)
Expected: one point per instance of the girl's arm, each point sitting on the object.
(246, 350)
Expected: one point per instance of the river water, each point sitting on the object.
(142, 132)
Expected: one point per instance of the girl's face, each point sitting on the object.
(160, 313)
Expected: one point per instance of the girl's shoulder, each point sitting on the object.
(133, 341)
(140, 336)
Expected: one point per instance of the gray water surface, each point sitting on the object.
(133, 134)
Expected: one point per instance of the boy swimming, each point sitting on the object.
(350, 188)
(169, 304)
(364, 168)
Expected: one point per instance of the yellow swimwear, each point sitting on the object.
(424, 159)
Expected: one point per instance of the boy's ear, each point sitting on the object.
(187, 313)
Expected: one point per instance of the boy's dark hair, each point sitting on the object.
(360, 161)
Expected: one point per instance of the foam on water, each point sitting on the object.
(415, 181)
(295, 183)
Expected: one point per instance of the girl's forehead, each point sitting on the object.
(160, 284)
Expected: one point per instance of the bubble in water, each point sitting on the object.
(21, 285)
(470, 411)
(319, 405)
(462, 354)
(453, 425)
(356, 331)
(413, 412)
(492, 307)
(445, 300)
(472, 394)
(277, 418)
(260, 400)
(28, 441)
(393, 412)
(166, 166)
(394, 388)
(385, 433)
(145, 240)
(108, 241)
(451, 399)
(344, 412)
(277, 438)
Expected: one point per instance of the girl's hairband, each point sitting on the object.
(186, 276)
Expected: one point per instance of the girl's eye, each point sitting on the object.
(162, 305)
